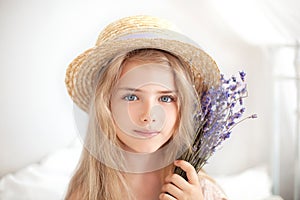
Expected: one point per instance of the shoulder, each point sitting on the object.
(210, 188)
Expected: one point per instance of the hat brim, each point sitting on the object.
(82, 71)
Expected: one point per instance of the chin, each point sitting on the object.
(146, 149)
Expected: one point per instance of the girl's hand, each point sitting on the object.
(176, 187)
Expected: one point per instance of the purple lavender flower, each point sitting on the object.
(242, 75)
(214, 121)
(253, 116)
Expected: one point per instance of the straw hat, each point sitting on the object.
(130, 33)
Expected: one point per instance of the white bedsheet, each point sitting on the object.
(252, 184)
(48, 180)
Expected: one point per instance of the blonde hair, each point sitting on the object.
(93, 179)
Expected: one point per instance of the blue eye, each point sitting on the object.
(130, 97)
(167, 99)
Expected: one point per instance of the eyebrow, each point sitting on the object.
(139, 90)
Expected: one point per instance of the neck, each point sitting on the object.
(146, 185)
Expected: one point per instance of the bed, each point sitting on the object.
(49, 178)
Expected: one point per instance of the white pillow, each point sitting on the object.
(47, 180)
(252, 184)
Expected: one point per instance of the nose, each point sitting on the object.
(147, 118)
(147, 115)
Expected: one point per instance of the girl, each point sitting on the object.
(139, 85)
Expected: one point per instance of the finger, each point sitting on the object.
(190, 171)
(178, 181)
(172, 189)
(164, 196)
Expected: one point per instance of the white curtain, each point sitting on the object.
(275, 24)
(270, 22)
(285, 158)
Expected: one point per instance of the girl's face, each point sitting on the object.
(144, 106)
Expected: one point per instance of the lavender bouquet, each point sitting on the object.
(220, 110)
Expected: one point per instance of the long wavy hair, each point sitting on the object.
(93, 178)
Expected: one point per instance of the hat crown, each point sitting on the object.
(133, 24)
(131, 33)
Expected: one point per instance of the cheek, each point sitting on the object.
(172, 115)
(119, 112)
(126, 115)
(133, 111)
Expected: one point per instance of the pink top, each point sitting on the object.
(210, 189)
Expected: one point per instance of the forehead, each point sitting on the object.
(137, 74)
(153, 66)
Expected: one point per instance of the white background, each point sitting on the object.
(38, 39)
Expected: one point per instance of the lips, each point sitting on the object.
(146, 133)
